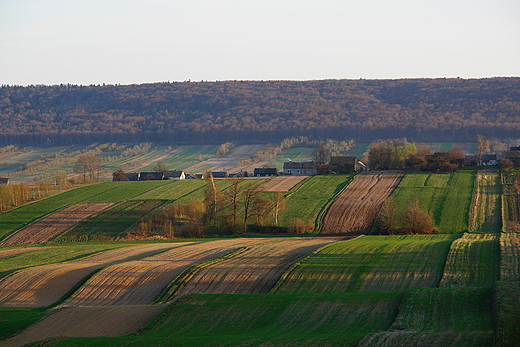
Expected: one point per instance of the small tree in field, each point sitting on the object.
(417, 220)
(387, 221)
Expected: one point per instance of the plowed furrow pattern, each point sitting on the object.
(141, 282)
(254, 271)
(44, 285)
(356, 208)
(280, 183)
(51, 226)
(12, 252)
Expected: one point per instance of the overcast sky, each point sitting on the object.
(130, 41)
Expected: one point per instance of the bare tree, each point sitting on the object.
(89, 165)
(278, 206)
(482, 146)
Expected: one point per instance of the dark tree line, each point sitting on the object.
(253, 111)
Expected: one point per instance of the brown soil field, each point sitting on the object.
(12, 252)
(44, 285)
(52, 225)
(280, 183)
(87, 322)
(141, 282)
(229, 161)
(254, 271)
(357, 206)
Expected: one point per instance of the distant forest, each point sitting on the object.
(260, 112)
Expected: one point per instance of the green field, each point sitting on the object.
(446, 197)
(369, 264)
(440, 317)
(288, 320)
(485, 211)
(309, 199)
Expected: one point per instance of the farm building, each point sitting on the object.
(344, 164)
(132, 176)
(265, 171)
(174, 175)
(4, 180)
(514, 155)
(195, 176)
(299, 168)
(488, 159)
(220, 174)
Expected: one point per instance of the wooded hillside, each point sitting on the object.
(257, 111)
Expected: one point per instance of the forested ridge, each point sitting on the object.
(261, 111)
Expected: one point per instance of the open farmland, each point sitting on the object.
(262, 320)
(440, 317)
(473, 261)
(510, 256)
(51, 226)
(281, 183)
(5, 253)
(311, 198)
(446, 197)
(229, 161)
(485, 212)
(173, 190)
(370, 263)
(356, 208)
(44, 285)
(111, 223)
(510, 201)
(254, 271)
(140, 282)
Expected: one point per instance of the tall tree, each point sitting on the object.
(482, 146)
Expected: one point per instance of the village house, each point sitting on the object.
(344, 164)
(174, 175)
(265, 171)
(151, 176)
(4, 180)
(488, 160)
(220, 174)
(514, 155)
(299, 168)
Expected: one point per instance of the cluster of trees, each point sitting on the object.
(225, 212)
(225, 148)
(251, 111)
(401, 154)
(413, 220)
(14, 195)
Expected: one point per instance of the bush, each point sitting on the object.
(298, 226)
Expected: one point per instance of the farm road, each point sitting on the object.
(356, 208)
(52, 225)
(254, 271)
(87, 322)
(142, 281)
(44, 285)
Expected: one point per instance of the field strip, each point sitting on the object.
(228, 161)
(142, 281)
(440, 317)
(371, 264)
(87, 322)
(42, 286)
(52, 225)
(280, 183)
(510, 256)
(254, 271)
(17, 251)
(473, 260)
(355, 209)
(485, 212)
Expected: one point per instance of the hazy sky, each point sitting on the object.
(130, 41)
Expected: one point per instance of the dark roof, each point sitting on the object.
(173, 173)
(298, 165)
(153, 176)
(487, 157)
(265, 170)
(220, 174)
(342, 160)
(514, 148)
(4, 180)
(132, 176)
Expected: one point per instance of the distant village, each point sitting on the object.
(336, 165)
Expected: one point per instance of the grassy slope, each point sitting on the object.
(440, 317)
(485, 208)
(371, 263)
(289, 320)
(312, 196)
(447, 197)
(103, 192)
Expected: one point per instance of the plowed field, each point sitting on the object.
(87, 321)
(142, 281)
(49, 227)
(254, 271)
(356, 208)
(280, 183)
(44, 285)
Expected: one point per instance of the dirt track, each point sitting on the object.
(254, 271)
(52, 225)
(88, 321)
(142, 281)
(44, 285)
(356, 208)
(280, 183)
